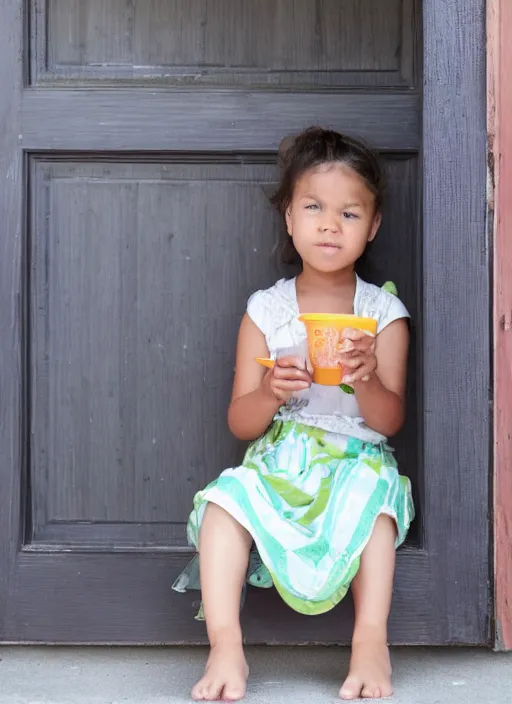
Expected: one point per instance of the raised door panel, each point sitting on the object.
(333, 43)
(140, 273)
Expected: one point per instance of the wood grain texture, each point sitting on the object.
(124, 333)
(499, 65)
(456, 353)
(396, 256)
(113, 193)
(226, 120)
(12, 452)
(136, 194)
(267, 43)
(132, 354)
(127, 598)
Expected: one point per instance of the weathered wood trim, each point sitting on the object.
(145, 119)
(12, 455)
(499, 54)
(457, 349)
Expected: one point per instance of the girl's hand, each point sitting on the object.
(286, 378)
(357, 355)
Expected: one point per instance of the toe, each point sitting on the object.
(386, 691)
(206, 691)
(351, 688)
(370, 692)
(213, 691)
(197, 693)
(233, 693)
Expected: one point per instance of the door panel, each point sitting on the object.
(274, 43)
(140, 278)
(138, 153)
(131, 372)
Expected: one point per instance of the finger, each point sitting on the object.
(346, 346)
(347, 358)
(362, 345)
(351, 354)
(363, 372)
(291, 361)
(291, 373)
(353, 334)
(354, 362)
(288, 386)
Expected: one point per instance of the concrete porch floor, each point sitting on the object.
(48, 675)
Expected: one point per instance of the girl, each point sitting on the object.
(318, 496)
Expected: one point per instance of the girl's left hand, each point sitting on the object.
(357, 355)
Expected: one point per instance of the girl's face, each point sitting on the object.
(331, 217)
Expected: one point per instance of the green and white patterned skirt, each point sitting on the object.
(310, 500)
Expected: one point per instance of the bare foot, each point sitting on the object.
(225, 676)
(370, 671)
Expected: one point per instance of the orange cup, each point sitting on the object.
(324, 338)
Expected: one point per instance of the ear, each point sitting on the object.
(375, 226)
(288, 218)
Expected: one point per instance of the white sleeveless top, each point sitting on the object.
(275, 311)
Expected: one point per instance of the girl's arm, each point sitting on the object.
(258, 394)
(381, 399)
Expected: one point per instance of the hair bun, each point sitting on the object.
(283, 152)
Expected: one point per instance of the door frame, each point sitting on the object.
(499, 103)
(444, 586)
(457, 354)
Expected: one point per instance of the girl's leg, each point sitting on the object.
(224, 548)
(370, 666)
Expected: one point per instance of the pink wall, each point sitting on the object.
(499, 51)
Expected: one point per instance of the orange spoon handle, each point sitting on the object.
(265, 362)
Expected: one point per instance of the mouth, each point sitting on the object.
(329, 246)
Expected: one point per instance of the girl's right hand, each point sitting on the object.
(286, 378)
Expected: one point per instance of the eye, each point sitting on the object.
(350, 216)
(312, 206)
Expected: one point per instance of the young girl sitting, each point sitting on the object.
(318, 499)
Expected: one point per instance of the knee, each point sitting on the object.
(385, 525)
(213, 513)
(218, 524)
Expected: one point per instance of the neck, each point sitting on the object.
(321, 281)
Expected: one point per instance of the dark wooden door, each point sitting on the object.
(137, 151)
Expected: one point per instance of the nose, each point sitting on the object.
(329, 222)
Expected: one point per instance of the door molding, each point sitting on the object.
(499, 102)
(11, 307)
